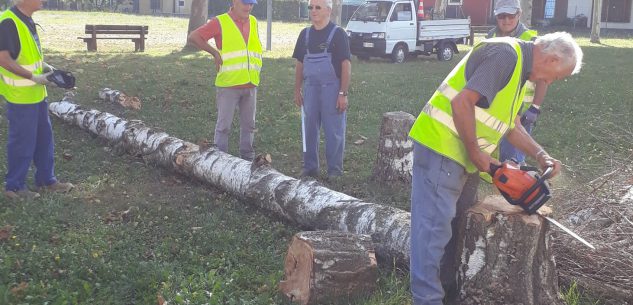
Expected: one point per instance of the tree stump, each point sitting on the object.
(324, 266)
(506, 256)
(395, 149)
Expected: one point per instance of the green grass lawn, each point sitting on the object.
(134, 234)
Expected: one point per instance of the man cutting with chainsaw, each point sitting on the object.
(456, 133)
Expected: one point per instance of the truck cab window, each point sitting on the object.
(372, 11)
(402, 12)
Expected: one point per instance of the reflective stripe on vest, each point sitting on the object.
(14, 88)
(435, 128)
(241, 62)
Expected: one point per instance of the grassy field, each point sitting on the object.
(135, 234)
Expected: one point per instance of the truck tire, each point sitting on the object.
(445, 52)
(399, 53)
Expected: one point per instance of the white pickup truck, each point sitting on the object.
(390, 28)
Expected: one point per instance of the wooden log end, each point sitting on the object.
(324, 266)
(496, 204)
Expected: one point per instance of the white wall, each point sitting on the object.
(577, 7)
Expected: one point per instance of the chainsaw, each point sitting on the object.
(526, 187)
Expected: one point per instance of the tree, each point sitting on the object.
(337, 11)
(440, 9)
(595, 21)
(199, 15)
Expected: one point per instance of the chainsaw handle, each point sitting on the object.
(548, 172)
(493, 169)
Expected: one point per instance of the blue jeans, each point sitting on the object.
(436, 187)
(319, 109)
(30, 140)
(507, 151)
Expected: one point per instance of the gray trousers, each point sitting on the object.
(437, 197)
(245, 99)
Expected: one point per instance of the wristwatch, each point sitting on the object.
(343, 93)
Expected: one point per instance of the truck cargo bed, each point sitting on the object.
(443, 29)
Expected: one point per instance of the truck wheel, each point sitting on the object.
(445, 52)
(399, 54)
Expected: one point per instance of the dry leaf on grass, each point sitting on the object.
(5, 232)
(19, 290)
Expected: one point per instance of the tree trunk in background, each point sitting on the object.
(506, 256)
(440, 9)
(337, 12)
(526, 12)
(395, 150)
(305, 203)
(329, 266)
(199, 16)
(595, 21)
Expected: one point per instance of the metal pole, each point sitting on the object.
(269, 28)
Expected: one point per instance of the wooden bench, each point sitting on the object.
(136, 33)
(478, 29)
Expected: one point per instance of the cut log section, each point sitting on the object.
(395, 149)
(329, 266)
(506, 256)
(305, 203)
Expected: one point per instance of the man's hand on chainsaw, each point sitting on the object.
(545, 161)
(483, 160)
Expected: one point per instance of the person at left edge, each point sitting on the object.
(238, 62)
(23, 85)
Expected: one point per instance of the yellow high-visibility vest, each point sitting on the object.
(14, 88)
(530, 87)
(435, 129)
(241, 61)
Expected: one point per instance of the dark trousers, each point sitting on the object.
(30, 140)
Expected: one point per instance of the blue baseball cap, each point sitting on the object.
(249, 1)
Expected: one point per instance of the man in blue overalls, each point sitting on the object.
(323, 72)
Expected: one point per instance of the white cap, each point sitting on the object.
(507, 7)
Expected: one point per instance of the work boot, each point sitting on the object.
(310, 174)
(57, 187)
(21, 195)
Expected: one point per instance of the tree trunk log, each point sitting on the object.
(596, 17)
(197, 18)
(324, 266)
(304, 203)
(506, 257)
(395, 149)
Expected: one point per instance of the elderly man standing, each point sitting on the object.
(238, 62)
(508, 14)
(23, 84)
(458, 129)
(322, 76)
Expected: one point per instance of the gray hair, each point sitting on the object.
(328, 3)
(16, 2)
(564, 47)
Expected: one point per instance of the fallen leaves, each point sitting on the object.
(116, 96)
(120, 216)
(361, 140)
(19, 290)
(5, 232)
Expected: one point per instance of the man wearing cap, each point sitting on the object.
(456, 133)
(238, 62)
(508, 15)
(322, 76)
(23, 85)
